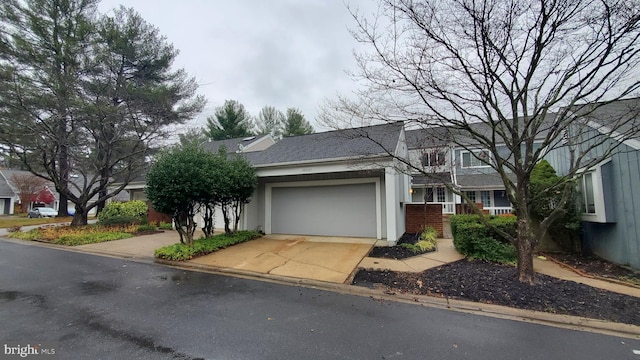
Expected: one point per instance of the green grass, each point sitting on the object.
(203, 246)
(11, 221)
(82, 239)
(79, 235)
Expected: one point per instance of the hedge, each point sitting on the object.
(474, 239)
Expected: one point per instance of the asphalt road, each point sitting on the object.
(92, 307)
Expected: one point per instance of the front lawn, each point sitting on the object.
(80, 235)
(12, 221)
(203, 246)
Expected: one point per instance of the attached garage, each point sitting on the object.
(326, 209)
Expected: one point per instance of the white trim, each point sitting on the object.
(351, 159)
(319, 168)
(471, 157)
(600, 215)
(634, 143)
(268, 197)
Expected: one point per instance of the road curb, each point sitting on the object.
(496, 311)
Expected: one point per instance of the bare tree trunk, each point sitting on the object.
(80, 217)
(525, 245)
(225, 214)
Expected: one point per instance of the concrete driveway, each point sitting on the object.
(330, 259)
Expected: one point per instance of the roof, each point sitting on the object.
(232, 145)
(482, 181)
(432, 179)
(5, 189)
(427, 137)
(620, 117)
(337, 144)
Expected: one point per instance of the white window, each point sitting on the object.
(485, 198)
(587, 193)
(441, 195)
(471, 195)
(476, 158)
(434, 158)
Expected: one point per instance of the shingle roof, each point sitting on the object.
(5, 189)
(482, 181)
(371, 140)
(427, 137)
(232, 145)
(622, 116)
(432, 179)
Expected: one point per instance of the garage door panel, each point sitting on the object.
(338, 210)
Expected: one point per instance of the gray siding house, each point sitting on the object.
(336, 183)
(610, 190)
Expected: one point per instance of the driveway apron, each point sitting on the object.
(330, 259)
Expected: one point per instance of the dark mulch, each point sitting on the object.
(397, 252)
(492, 283)
(593, 265)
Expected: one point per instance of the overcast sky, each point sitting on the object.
(283, 53)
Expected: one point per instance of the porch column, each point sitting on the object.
(393, 210)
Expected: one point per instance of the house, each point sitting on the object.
(336, 183)
(439, 165)
(10, 195)
(610, 190)
(136, 187)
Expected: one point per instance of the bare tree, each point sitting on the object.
(514, 74)
(28, 186)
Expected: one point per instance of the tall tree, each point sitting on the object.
(43, 48)
(518, 67)
(270, 121)
(87, 96)
(231, 121)
(296, 124)
(193, 136)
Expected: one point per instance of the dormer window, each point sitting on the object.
(476, 158)
(434, 158)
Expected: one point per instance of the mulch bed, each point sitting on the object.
(491, 283)
(397, 252)
(593, 265)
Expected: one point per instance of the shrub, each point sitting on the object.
(119, 220)
(146, 227)
(136, 210)
(165, 226)
(90, 238)
(203, 246)
(477, 241)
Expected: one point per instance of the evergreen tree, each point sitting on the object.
(296, 124)
(231, 121)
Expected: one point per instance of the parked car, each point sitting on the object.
(42, 212)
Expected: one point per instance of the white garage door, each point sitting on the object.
(337, 210)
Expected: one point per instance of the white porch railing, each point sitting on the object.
(498, 210)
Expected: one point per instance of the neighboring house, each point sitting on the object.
(137, 186)
(610, 190)
(10, 195)
(439, 165)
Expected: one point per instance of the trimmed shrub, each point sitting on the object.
(119, 220)
(133, 211)
(203, 246)
(165, 226)
(476, 240)
(146, 227)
